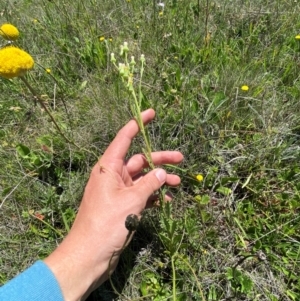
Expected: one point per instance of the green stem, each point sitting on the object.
(139, 120)
(136, 111)
(174, 277)
(193, 272)
(41, 102)
(47, 224)
(177, 168)
(140, 83)
(65, 221)
(206, 21)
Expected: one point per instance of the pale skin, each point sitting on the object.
(116, 188)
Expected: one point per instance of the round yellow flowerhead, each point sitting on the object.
(199, 177)
(244, 88)
(9, 32)
(14, 62)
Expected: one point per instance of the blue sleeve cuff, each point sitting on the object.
(34, 284)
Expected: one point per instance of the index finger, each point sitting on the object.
(119, 147)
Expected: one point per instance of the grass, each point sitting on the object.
(232, 236)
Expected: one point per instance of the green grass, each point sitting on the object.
(233, 236)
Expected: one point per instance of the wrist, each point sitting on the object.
(77, 268)
(81, 262)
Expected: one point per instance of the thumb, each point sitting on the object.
(151, 182)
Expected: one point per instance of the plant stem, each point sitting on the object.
(47, 224)
(41, 102)
(174, 277)
(206, 22)
(138, 117)
(194, 274)
(65, 221)
(140, 83)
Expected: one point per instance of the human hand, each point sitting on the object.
(116, 188)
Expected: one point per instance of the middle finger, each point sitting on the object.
(138, 162)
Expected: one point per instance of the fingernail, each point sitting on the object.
(161, 175)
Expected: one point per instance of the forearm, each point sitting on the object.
(34, 284)
(76, 268)
(80, 263)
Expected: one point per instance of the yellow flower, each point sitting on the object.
(199, 177)
(245, 88)
(9, 32)
(14, 62)
(297, 37)
(48, 70)
(161, 13)
(101, 39)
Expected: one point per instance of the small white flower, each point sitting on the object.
(122, 68)
(161, 4)
(121, 50)
(143, 252)
(125, 47)
(112, 57)
(167, 35)
(132, 62)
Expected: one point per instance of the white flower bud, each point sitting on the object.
(125, 47)
(112, 57)
(132, 62)
(121, 50)
(121, 68)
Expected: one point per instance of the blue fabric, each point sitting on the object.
(34, 284)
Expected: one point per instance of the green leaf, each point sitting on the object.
(226, 180)
(246, 284)
(292, 295)
(229, 273)
(224, 190)
(83, 85)
(144, 288)
(219, 98)
(202, 200)
(7, 190)
(205, 216)
(23, 150)
(35, 160)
